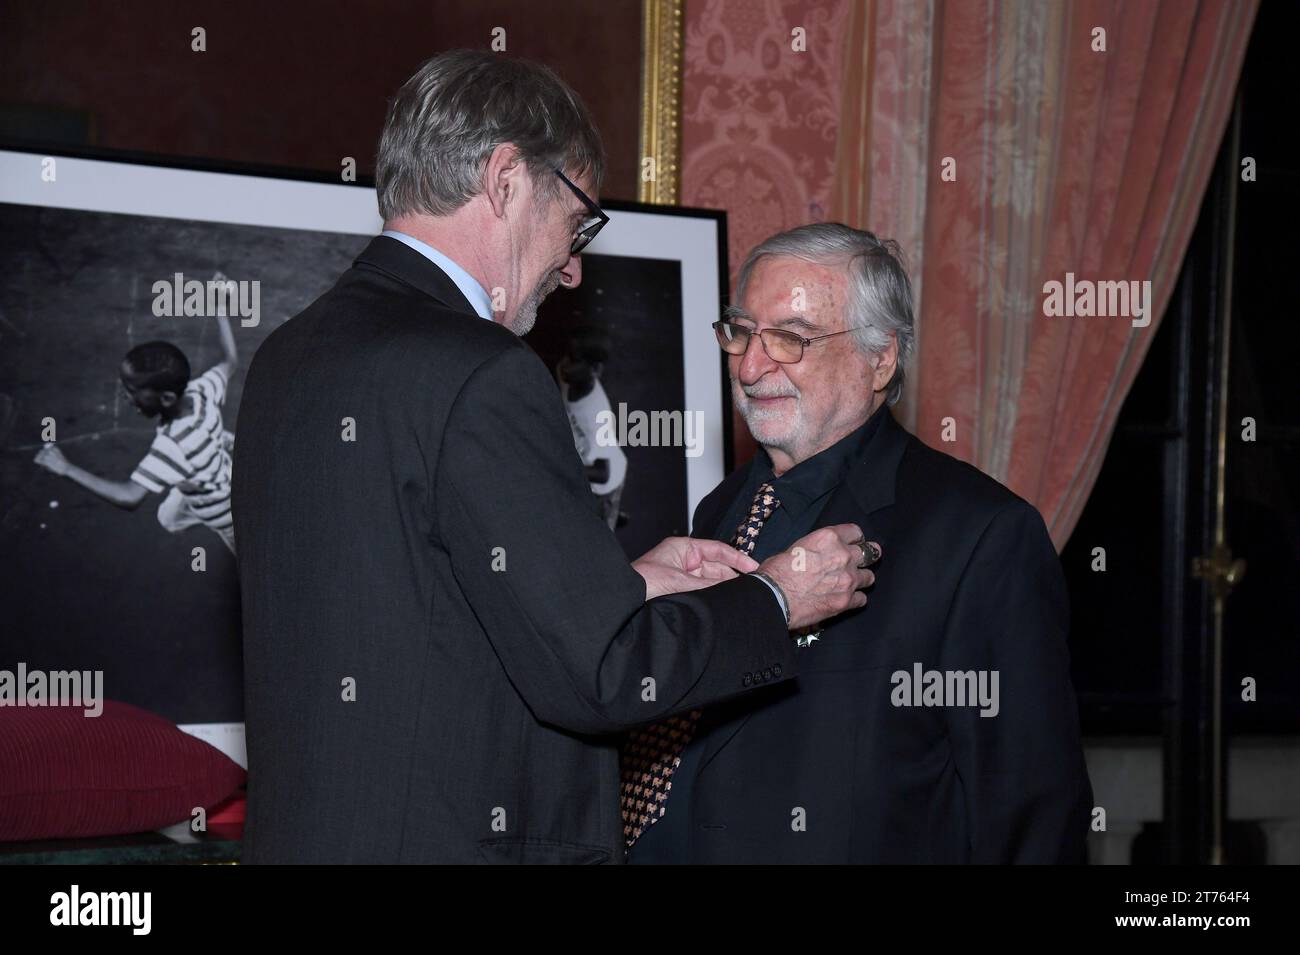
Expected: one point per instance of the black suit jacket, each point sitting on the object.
(969, 581)
(415, 531)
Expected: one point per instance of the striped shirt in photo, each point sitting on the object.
(191, 453)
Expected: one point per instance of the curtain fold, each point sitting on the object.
(1004, 151)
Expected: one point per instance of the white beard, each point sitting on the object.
(771, 428)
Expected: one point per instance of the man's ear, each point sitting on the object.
(503, 177)
(886, 365)
(167, 398)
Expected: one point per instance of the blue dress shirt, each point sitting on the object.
(474, 293)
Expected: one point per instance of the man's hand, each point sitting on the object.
(52, 459)
(823, 574)
(679, 564)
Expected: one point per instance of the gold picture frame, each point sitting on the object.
(663, 39)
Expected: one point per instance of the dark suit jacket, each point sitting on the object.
(969, 580)
(448, 564)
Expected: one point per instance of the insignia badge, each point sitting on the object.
(806, 636)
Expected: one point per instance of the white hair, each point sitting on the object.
(880, 294)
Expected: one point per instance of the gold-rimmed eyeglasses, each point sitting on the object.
(781, 346)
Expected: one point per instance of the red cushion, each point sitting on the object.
(66, 775)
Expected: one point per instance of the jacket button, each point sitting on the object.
(749, 678)
(767, 675)
(776, 669)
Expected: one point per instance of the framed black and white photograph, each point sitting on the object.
(104, 251)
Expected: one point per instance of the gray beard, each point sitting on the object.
(526, 315)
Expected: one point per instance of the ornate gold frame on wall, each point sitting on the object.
(663, 39)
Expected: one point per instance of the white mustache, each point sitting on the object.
(775, 394)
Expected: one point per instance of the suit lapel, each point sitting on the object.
(400, 261)
(866, 491)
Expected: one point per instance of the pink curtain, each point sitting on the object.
(1003, 151)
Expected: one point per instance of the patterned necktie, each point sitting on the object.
(652, 754)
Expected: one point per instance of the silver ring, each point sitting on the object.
(862, 546)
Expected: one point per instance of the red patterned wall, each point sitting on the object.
(759, 118)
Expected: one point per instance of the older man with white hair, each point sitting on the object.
(937, 723)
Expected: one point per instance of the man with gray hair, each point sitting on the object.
(936, 724)
(437, 625)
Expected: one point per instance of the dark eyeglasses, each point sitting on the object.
(591, 225)
(780, 345)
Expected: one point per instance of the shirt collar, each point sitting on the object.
(812, 479)
(474, 293)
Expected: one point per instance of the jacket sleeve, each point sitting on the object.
(550, 586)
(1028, 799)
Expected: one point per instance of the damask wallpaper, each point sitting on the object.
(760, 111)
